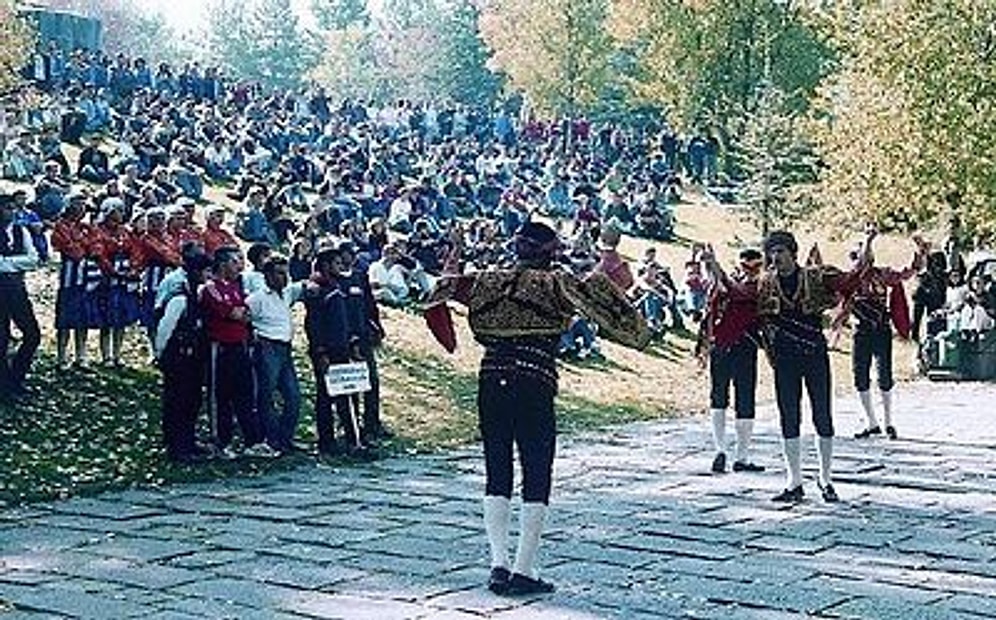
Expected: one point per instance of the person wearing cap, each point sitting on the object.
(180, 347)
(159, 256)
(116, 304)
(875, 306)
(176, 223)
(338, 331)
(518, 315)
(71, 239)
(189, 231)
(17, 257)
(730, 340)
(214, 235)
(791, 302)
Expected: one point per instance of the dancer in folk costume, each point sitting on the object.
(878, 304)
(176, 226)
(117, 301)
(518, 315)
(79, 278)
(215, 235)
(730, 340)
(159, 256)
(791, 302)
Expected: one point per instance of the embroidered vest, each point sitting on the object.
(813, 297)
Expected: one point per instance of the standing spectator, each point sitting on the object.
(17, 256)
(270, 312)
(330, 341)
(181, 353)
(215, 235)
(230, 394)
(70, 237)
(117, 301)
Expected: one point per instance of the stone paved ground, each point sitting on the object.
(638, 530)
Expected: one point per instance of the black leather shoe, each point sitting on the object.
(520, 585)
(790, 496)
(719, 464)
(829, 494)
(498, 581)
(747, 467)
(890, 431)
(868, 432)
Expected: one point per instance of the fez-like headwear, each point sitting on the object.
(535, 241)
(781, 238)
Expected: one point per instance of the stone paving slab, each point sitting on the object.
(638, 529)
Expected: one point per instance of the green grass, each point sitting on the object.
(87, 431)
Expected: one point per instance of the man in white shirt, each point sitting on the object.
(388, 278)
(270, 312)
(17, 256)
(399, 214)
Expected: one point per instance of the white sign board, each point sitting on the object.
(350, 378)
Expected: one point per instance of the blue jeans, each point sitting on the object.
(579, 329)
(275, 371)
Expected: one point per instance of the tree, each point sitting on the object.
(463, 73)
(554, 51)
(261, 40)
(16, 43)
(340, 14)
(706, 61)
(907, 123)
(777, 163)
(127, 29)
(432, 52)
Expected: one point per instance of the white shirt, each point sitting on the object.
(393, 278)
(270, 311)
(400, 211)
(252, 281)
(974, 318)
(175, 308)
(19, 263)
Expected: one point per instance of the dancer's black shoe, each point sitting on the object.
(890, 431)
(719, 464)
(868, 432)
(790, 496)
(740, 466)
(498, 581)
(829, 494)
(520, 585)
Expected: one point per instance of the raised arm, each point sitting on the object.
(600, 300)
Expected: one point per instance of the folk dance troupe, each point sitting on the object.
(207, 316)
(771, 302)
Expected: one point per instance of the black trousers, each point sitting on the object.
(736, 364)
(183, 383)
(16, 308)
(345, 410)
(517, 410)
(233, 394)
(791, 372)
(371, 398)
(869, 345)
